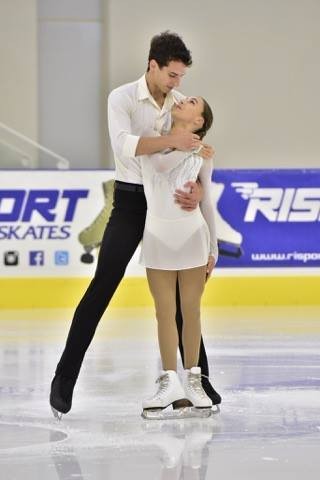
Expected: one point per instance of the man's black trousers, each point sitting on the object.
(121, 238)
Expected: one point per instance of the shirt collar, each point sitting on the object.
(144, 93)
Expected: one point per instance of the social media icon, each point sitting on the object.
(36, 258)
(11, 258)
(61, 257)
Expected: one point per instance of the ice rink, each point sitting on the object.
(264, 362)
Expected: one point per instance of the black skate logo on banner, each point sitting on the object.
(91, 237)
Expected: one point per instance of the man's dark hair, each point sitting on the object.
(207, 116)
(167, 47)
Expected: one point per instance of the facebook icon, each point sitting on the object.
(36, 258)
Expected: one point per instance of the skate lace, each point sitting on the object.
(196, 385)
(163, 382)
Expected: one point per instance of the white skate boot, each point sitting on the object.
(229, 239)
(170, 393)
(194, 391)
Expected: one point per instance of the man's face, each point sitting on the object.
(168, 77)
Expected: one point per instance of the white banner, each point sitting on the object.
(51, 221)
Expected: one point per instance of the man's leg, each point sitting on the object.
(121, 238)
(203, 359)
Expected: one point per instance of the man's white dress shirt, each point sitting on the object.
(133, 113)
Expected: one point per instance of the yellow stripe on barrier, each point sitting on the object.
(133, 292)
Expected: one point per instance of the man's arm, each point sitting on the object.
(125, 143)
(183, 141)
(189, 200)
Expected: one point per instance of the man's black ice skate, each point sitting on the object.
(61, 395)
(210, 391)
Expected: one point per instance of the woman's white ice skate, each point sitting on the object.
(170, 394)
(195, 393)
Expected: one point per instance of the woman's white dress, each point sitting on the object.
(175, 239)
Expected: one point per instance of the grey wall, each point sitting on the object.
(18, 66)
(70, 90)
(256, 62)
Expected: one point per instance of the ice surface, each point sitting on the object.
(264, 362)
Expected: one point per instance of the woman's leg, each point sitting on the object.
(162, 284)
(203, 359)
(191, 285)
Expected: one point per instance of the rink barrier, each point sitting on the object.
(17, 293)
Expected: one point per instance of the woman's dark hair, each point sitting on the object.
(167, 47)
(207, 116)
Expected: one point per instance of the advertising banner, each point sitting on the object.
(51, 222)
(268, 218)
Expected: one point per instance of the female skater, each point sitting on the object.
(181, 246)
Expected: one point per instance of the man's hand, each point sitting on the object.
(189, 200)
(206, 151)
(210, 266)
(184, 141)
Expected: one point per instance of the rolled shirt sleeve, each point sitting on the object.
(130, 145)
(123, 142)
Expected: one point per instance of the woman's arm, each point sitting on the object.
(164, 161)
(207, 206)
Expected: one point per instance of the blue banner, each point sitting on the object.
(268, 218)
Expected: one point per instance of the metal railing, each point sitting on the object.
(20, 151)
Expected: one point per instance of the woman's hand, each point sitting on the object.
(206, 151)
(210, 265)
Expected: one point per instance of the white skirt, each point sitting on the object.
(175, 244)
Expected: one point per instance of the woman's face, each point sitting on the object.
(188, 110)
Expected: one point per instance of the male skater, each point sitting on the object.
(136, 112)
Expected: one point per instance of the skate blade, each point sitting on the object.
(229, 249)
(178, 413)
(56, 414)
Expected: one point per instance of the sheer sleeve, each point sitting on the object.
(206, 205)
(165, 161)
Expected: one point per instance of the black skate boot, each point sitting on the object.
(210, 391)
(61, 394)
